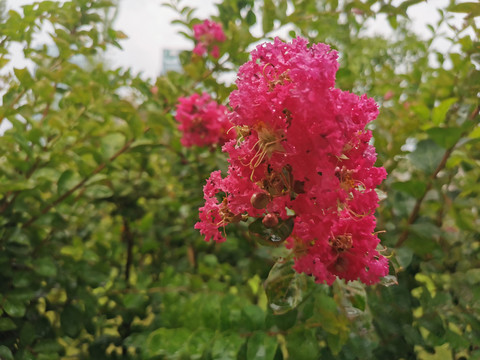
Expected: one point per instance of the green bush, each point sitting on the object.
(98, 198)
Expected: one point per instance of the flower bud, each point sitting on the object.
(260, 200)
(388, 95)
(270, 220)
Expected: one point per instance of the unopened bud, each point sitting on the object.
(260, 200)
(388, 95)
(270, 220)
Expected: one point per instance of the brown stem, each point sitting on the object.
(47, 107)
(65, 195)
(128, 238)
(416, 209)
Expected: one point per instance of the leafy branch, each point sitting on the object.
(65, 195)
(416, 209)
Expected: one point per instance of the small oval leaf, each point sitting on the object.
(284, 287)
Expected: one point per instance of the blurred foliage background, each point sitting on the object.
(98, 255)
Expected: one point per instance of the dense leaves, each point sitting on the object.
(98, 198)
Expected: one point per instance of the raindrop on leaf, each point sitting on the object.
(284, 287)
(271, 236)
(389, 280)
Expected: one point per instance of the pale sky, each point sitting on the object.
(148, 27)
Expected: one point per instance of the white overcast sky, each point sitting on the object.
(147, 24)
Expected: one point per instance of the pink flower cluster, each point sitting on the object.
(303, 165)
(208, 35)
(203, 122)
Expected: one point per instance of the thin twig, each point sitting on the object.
(65, 195)
(128, 238)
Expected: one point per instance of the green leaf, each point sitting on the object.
(415, 188)
(48, 346)
(230, 312)
(464, 218)
(473, 276)
(421, 239)
(71, 320)
(24, 77)
(439, 112)
(302, 345)
(7, 324)
(273, 236)
(111, 143)
(96, 178)
(97, 191)
(282, 321)
(136, 126)
(475, 133)
(226, 346)
(284, 287)
(404, 256)
(335, 342)
(23, 143)
(45, 267)
(14, 308)
(326, 313)
(134, 301)
(253, 317)
(445, 137)
(66, 182)
(19, 237)
(5, 353)
(27, 334)
(392, 19)
(421, 110)
(466, 7)
(407, 3)
(260, 346)
(427, 156)
(251, 19)
(389, 280)
(198, 342)
(268, 16)
(167, 342)
(19, 185)
(456, 341)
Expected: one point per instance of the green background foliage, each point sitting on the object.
(98, 255)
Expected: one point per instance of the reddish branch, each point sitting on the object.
(416, 209)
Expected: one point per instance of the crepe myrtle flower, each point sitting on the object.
(203, 122)
(302, 165)
(208, 35)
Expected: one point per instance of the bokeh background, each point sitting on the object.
(98, 198)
